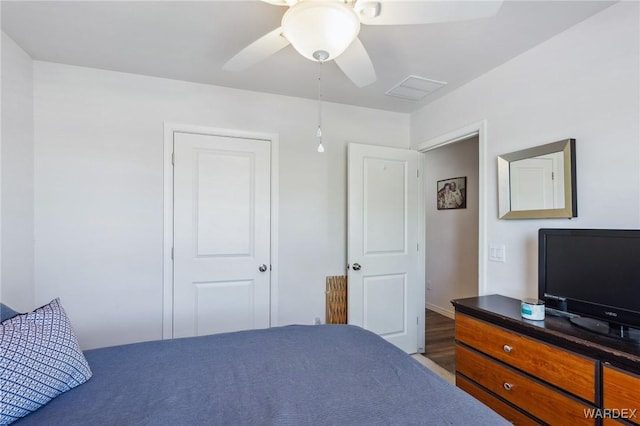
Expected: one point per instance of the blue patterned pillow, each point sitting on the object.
(39, 359)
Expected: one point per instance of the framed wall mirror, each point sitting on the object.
(539, 182)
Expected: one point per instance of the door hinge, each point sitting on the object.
(418, 320)
(171, 253)
(417, 246)
(418, 173)
(553, 175)
(173, 158)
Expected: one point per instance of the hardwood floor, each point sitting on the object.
(440, 340)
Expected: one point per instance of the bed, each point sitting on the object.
(291, 375)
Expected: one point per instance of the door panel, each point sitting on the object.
(384, 209)
(384, 295)
(223, 306)
(221, 234)
(381, 292)
(224, 179)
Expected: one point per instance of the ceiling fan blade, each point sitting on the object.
(356, 64)
(402, 12)
(257, 51)
(281, 2)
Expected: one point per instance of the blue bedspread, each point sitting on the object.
(295, 375)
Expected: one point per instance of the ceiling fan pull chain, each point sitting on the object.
(319, 132)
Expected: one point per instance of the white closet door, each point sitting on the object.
(221, 234)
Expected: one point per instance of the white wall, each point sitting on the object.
(17, 285)
(452, 235)
(98, 197)
(584, 84)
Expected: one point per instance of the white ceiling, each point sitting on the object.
(192, 40)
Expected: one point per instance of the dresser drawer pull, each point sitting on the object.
(507, 386)
(507, 348)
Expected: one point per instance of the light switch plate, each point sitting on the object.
(497, 253)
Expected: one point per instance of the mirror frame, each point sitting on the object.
(570, 210)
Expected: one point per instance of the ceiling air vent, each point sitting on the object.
(414, 88)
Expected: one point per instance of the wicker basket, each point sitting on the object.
(336, 304)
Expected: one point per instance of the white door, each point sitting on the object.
(384, 295)
(531, 184)
(221, 279)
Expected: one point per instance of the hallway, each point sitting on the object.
(440, 340)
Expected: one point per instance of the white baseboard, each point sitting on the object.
(446, 312)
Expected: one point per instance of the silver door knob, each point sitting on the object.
(356, 267)
(262, 268)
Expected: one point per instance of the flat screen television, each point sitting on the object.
(592, 276)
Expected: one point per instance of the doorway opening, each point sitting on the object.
(454, 234)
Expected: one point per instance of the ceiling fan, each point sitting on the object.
(324, 30)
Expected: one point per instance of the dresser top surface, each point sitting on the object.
(505, 311)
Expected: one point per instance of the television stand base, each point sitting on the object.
(616, 331)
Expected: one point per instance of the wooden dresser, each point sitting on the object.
(549, 371)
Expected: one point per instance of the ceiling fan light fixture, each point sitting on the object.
(316, 25)
(368, 9)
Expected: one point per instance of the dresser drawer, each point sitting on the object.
(505, 410)
(540, 400)
(621, 391)
(612, 422)
(573, 373)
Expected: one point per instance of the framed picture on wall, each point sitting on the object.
(452, 193)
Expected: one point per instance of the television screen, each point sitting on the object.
(603, 269)
(592, 272)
